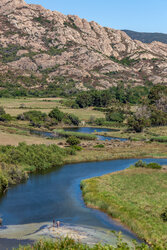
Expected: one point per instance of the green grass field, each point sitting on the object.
(136, 197)
(15, 106)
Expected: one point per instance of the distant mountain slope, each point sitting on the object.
(146, 37)
(41, 49)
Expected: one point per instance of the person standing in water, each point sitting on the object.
(53, 224)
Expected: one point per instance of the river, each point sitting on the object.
(56, 195)
(87, 130)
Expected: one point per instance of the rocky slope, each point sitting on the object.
(39, 47)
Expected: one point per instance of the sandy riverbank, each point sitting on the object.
(34, 232)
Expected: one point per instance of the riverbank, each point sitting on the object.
(46, 231)
(149, 133)
(136, 197)
(17, 158)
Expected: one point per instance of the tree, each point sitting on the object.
(156, 92)
(56, 114)
(115, 116)
(138, 124)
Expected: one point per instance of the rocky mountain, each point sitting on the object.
(147, 37)
(41, 48)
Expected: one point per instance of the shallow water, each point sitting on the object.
(56, 194)
(90, 130)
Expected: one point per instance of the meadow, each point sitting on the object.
(136, 197)
(16, 106)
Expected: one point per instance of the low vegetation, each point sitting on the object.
(55, 117)
(73, 141)
(70, 244)
(137, 197)
(17, 161)
(141, 164)
(82, 136)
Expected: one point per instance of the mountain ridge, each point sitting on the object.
(55, 49)
(147, 37)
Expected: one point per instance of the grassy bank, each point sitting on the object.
(153, 133)
(118, 150)
(70, 244)
(82, 136)
(137, 197)
(16, 159)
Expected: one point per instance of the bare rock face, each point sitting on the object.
(57, 49)
(8, 6)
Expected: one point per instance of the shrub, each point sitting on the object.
(2, 111)
(141, 164)
(99, 146)
(31, 115)
(77, 147)
(100, 121)
(115, 117)
(36, 118)
(154, 165)
(34, 157)
(5, 118)
(3, 183)
(74, 119)
(73, 140)
(75, 106)
(56, 114)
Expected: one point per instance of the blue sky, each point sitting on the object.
(137, 15)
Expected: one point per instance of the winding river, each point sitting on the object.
(87, 130)
(56, 194)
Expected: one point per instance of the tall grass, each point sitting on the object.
(137, 197)
(70, 244)
(82, 136)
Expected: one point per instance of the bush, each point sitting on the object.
(73, 140)
(5, 118)
(3, 183)
(2, 111)
(154, 165)
(99, 146)
(56, 114)
(100, 121)
(115, 117)
(141, 164)
(74, 119)
(33, 157)
(138, 124)
(36, 118)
